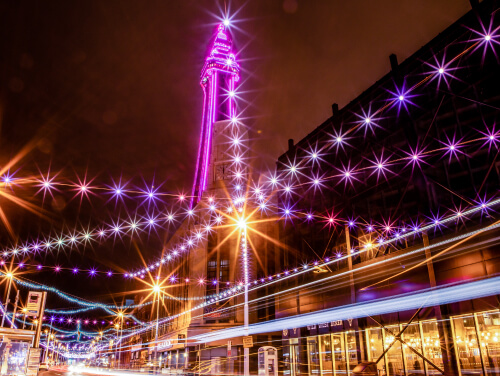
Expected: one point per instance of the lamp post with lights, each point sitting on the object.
(119, 327)
(157, 291)
(242, 224)
(10, 276)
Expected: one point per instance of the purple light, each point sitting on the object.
(219, 63)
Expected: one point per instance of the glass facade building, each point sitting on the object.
(476, 343)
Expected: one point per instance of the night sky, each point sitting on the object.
(111, 89)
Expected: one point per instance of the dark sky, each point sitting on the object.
(112, 87)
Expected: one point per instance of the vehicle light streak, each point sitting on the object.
(427, 298)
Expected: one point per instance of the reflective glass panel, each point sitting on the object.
(489, 338)
(467, 347)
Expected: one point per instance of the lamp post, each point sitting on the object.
(47, 346)
(120, 315)
(117, 327)
(157, 290)
(10, 276)
(246, 350)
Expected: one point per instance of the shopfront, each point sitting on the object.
(333, 349)
(15, 346)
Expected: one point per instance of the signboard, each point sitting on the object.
(247, 341)
(33, 361)
(34, 303)
(166, 344)
(229, 343)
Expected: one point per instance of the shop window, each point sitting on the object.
(339, 354)
(352, 352)
(375, 347)
(313, 356)
(325, 342)
(467, 345)
(488, 325)
(413, 338)
(394, 355)
(432, 344)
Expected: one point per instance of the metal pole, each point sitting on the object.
(121, 336)
(156, 333)
(15, 309)
(246, 350)
(47, 349)
(7, 301)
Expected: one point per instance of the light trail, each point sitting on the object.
(404, 302)
(323, 280)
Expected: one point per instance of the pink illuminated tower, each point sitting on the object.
(219, 78)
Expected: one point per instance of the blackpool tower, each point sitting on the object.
(219, 77)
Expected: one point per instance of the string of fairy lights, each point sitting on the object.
(222, 208)
(379, 167)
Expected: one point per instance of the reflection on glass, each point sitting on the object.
(432, 345)
(313, 355)
(13, 357)
(326, 354)
(340, 362)
(375, 345)
(394, 355)
(351, 349)
(414, 362)
(489, 338)
(467, 346)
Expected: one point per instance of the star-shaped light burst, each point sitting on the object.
(151, 196)
(402, 98)
(415, 157)
(118, 191)
(441, 71)
(314, 155)
(486, 38)
(380, 166)
(339, 140)
(491, 138)
(452, 147)
(46, 185)
(347, 174)
(367, 121)
(83, 188)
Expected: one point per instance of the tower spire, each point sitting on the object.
(219, 77)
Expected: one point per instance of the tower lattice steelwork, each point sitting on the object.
(219, 78)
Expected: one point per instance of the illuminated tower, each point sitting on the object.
(219, 77)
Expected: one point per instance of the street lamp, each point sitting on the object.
(10, 276)
(47, 346)
(120, 329)
(246, 351)
(157, 291)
